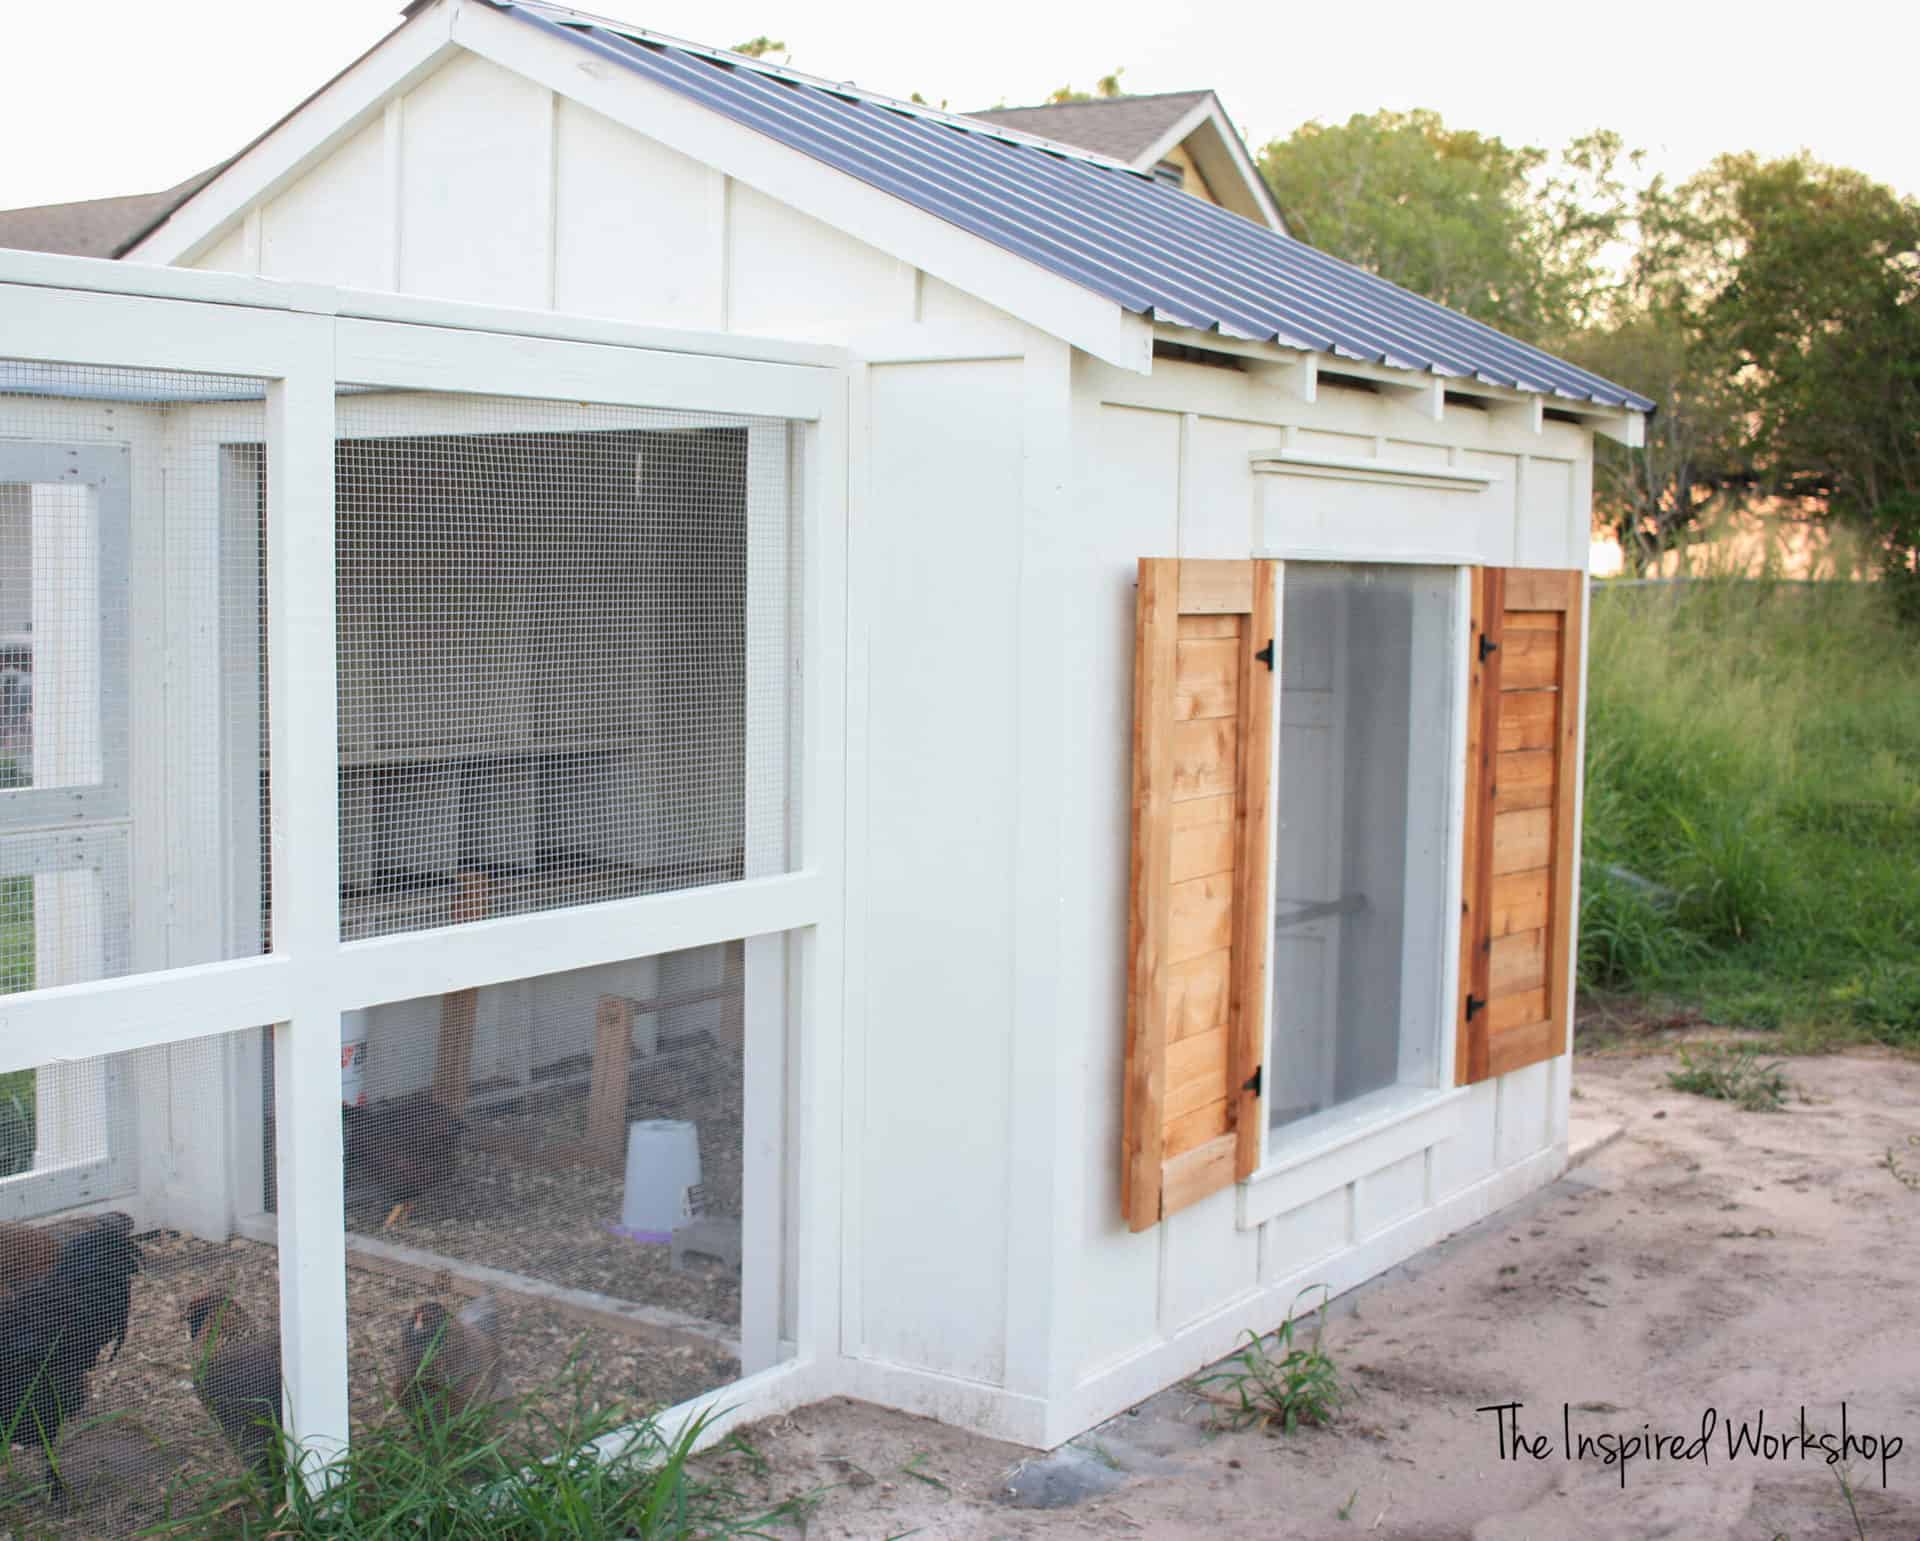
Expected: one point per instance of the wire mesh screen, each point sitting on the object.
(139, 1337)
(132, 671)
(566, 660)
(564, 1164)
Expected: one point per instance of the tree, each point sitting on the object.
(1107, 86)
(1821, 312)
(1509, 235)
(759, 47)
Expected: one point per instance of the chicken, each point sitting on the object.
(403, 1148)
(450, 1365)
(55, 1319)
(236, 1370)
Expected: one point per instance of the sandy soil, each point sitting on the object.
(1708, 1259)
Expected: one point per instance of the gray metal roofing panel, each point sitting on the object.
(1125, 127)
(1149, 248)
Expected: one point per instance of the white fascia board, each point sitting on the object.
(1044, 301)
(288, 151)
(1230, 147)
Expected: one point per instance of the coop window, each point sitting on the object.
(1359, 903)
(566, 670)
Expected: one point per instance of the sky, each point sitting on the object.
(125, 96)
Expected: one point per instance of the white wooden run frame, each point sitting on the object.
(304, 341)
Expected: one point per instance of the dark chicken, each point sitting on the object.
(450, 1365)
(402, 1148)
(236, 1370)
(67, 1294)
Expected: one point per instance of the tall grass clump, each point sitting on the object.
(1753, 802)
(553, 1466)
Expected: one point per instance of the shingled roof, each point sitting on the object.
(1125, 127)
(99, 227)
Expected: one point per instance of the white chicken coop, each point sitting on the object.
(760, 746)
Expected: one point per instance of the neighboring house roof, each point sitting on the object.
(1144, 131)
(99, 227)
(1091, 220)
(1125, 127)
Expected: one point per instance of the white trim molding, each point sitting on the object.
(1342, 468)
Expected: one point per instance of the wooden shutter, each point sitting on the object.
(1202, 809)
(1523, 744)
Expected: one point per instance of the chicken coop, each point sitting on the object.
(692, 720)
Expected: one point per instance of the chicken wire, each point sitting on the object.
(573, 1151)
(132, 671)
(139, 1338)
(567, 669)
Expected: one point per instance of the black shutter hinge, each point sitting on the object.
(1488, 647)
(1265, 655)
(1252, 1083)
(1474, 1003)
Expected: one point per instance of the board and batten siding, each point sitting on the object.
(1163, 466)
(481, 185)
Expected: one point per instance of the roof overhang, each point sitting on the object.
(1222, 156)
(1424, 392)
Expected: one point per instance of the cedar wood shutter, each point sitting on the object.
(1523, 745)
(1198, 911)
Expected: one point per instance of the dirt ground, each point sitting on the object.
(1706, 1260)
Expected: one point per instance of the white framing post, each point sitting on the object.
(304, 749)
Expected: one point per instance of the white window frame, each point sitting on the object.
(303, 341)
(1301, 1163)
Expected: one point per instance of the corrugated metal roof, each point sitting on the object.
(1125, 127)
(1148, 248)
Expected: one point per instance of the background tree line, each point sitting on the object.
(1771, 308)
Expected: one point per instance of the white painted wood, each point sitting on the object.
(331, 226)
(1468, 1156)
(301, 597)
(1126, 473)
(477, 159)
(867, 214)
(1301, 1236)
(303, 139)
(1523, 1122)
(942, 725)
(1364, 1135)
(1301, 462)
(635, 233)
(1120, 1385)
(380, 353)
(1389, 1195)
(502, 948)
(1207, 1261)
(1044, 1072)
(789, 274)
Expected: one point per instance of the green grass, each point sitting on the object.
(1753, 754)
(502, 1474)
(1278, 1385)
(1732, 1073)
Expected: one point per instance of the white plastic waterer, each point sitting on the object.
(663, 1170)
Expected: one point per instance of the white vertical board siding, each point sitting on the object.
(475, 186)
(1306, 1235)
(791, 275)
(1127, 469)
(1541, 535)
(1216, 506)
(229, 254)
(939, 575)
(332, 225)
(637, 232)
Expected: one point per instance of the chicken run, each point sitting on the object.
(557, 629)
